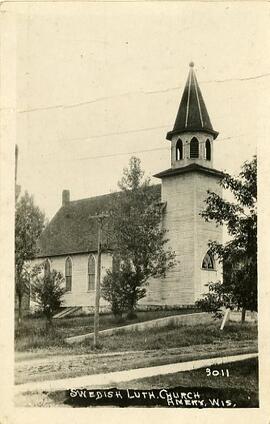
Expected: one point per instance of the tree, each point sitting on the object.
(139, 242)
(117, 288)
(29, 223)
(239, 254)
(47, 289)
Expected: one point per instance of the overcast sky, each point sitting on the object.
(100, 82)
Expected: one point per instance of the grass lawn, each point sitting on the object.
(41, 356)
(240, 389)
(243, 375)
(176, 336)
(33, 335)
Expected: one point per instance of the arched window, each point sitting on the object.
(179, 150)
(91, 273)
(47, 268)
(194, 148)
(208, 261)
(208, 150)
(116, 263)
(68, 274)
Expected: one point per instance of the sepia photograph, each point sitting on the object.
(134, 162)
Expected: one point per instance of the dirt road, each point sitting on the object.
(32, 367)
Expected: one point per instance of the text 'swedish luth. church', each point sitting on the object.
(69, 243)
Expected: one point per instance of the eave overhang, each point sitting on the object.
(189, 168)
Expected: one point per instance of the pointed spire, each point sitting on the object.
(192, 113)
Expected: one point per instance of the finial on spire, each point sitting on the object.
(191, 64)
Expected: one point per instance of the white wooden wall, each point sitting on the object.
(79, 295)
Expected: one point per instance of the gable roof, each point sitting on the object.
(192, 113)
(72, 231)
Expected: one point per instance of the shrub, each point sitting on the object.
(47, 290)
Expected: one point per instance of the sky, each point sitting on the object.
(99, 82)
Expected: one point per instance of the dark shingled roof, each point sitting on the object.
(71, 231)
(189, 168)
(192, 114)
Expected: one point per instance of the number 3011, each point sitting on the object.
(217, 373)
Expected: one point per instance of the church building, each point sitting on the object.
(69, 242)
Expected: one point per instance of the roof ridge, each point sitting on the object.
(94, 197)
(198, 100)
(71, 231)
(188, 99)
(102, 195)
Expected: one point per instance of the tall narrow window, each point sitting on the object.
(194, 148)
(116, 263)
(179, 150)
(208, 150)
(68, 274)
(91, 273)
(208, 261)
(47, 268)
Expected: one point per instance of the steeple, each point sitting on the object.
(192, 114)
(192, 135)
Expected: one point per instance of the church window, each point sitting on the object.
(68, 274)
(47, 268)
(208, 150)
(91, 273)
(116, 262)
(194, 148)
(179, 149)
(208, 261)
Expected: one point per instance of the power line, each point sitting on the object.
(116, 133)
(89, 137)
(130, 153)
(110, 155)
(122, 153)
(104, 98)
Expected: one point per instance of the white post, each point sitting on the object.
(225, 318)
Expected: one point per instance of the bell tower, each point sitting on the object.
(192, 135)
(184, 190)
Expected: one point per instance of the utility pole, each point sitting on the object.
(17, 187)
(16, 161)
(100, 220)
